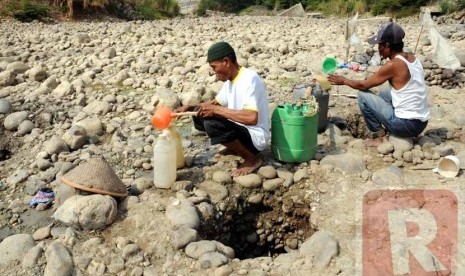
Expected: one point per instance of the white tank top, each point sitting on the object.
(411, 102)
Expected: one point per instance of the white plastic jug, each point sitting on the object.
(164, 161)
(180, 160)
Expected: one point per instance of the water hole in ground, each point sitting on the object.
(275, 225)
(352, 122)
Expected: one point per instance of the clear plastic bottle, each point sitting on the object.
(164, 160)
(180, 160)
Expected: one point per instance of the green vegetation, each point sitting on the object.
(450, 6)
(24, 10)
(339, 7)
(157, 9)
(28, 10)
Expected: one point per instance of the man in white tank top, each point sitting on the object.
(402, 110)
(238, 118)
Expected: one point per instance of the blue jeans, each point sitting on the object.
(378, 112)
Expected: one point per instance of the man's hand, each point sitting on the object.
(183, 108)
(208, 110)
(337, 80)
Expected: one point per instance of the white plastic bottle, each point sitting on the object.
(164, 161)
(180, 160)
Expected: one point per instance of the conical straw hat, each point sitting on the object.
(96, 176)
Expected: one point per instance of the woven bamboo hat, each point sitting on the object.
(96, 176)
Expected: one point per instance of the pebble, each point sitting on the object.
(268, 172)
(183, 236)
(129, 250)
(249, 181)
(272, 184)
(13, 120)
(42, 233)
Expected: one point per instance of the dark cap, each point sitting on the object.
(219, 50)
(388, 33)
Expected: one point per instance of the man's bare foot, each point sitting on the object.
(374, 142)
(224, 152)
(248, 167)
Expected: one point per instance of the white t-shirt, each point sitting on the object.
(247, 91)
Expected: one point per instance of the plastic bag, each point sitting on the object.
(443, 54)
(351, 32)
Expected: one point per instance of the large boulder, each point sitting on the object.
(90, 212)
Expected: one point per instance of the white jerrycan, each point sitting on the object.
(164, 161)
(180, 160)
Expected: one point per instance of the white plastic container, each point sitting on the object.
(164, 161)
(180, 160)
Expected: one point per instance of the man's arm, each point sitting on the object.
(386, 72)
(190, 107)
(244, 116)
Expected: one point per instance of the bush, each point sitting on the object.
(28, 12)
(157, 9)
(448, 6)
(204, 5)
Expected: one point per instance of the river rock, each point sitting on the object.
(301, 174)
(55, 145)
(183, 213)
(272, 184)
(17, 67)
(97, 107)
(37, 73)
(385, 148)
(390, 176)
(196, 249)
(63, 89)
(212, 259)
(59, 261)
(75, 137)
(42, 233)
(222, 177)
(347, 162)
(268, 172)
(183, 236)
(51, 82)
(15, 247)
(322, 247)
(215, 191)
(7, 78)
(81, 38)
(249, 181)
(5, 107)
(90, 212)
(17, 177)
(92, 125)
(25, 127)
(31, 257)
(13, 120)
(400, 144)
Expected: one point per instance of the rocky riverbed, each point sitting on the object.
(72, 91)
